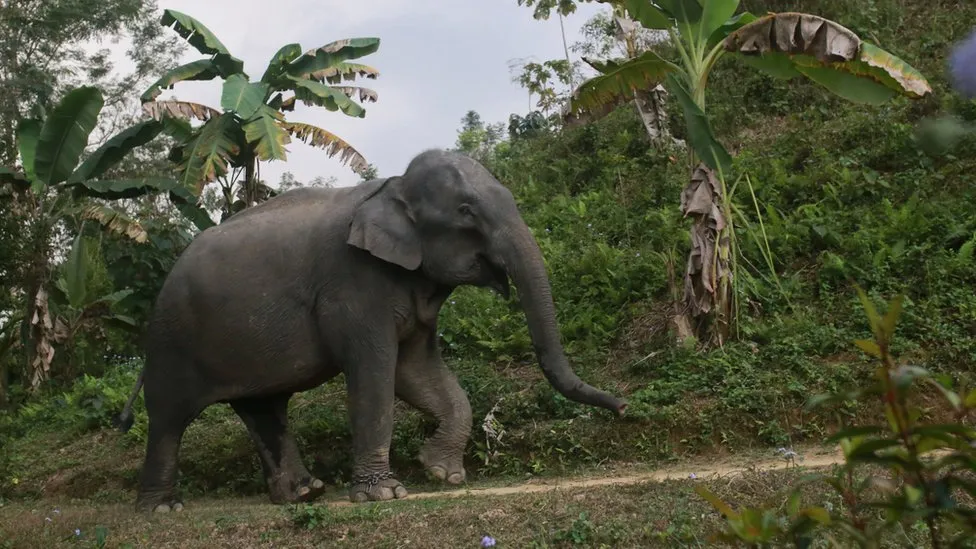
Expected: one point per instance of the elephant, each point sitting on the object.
(316, 282)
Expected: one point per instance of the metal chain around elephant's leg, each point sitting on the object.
(376, 487)
(371, 479)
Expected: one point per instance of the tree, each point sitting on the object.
(45, 50)
(251, 127)
(50, 188)
(614, 32)
(369, 173)
(43, 53)
(477, 140)
(603, 37)
(541, 80)
(784, 45)
(529, 125)
(288, 182)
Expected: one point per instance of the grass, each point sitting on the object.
(651, 514)
(682, 405)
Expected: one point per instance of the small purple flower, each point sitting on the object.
(962, 67)
(487, 541)
(692, 476)
(78, 531)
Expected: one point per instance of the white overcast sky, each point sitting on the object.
(437, 60)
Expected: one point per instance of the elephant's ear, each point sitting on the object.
(382, 226)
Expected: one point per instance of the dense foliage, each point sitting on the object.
(926, 482)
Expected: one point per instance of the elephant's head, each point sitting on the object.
(449, 217)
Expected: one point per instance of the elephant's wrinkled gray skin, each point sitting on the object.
(316, 282)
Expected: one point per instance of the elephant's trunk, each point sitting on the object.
(524, 264)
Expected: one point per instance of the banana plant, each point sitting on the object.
(74, 306)
(783, 45)
(52, 182)
(250, 126)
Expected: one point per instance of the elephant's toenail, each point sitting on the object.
(161, 508)
(438, 472)
(455, 478)
(318, 484)
(400, 492)
(360, 497)
(177, 507)
(304, 491)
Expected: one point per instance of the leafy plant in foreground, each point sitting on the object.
(929, 467)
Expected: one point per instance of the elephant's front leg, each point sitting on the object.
(370, 365)
(424, 382)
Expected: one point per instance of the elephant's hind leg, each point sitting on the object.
(424, 382)
(157, 485)
(267, 421)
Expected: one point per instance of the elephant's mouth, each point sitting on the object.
(495, 277)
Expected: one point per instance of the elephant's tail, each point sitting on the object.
(124, 420)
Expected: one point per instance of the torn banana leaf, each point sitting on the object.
(332, 144)
(116, 222)
(701, 200)
(186, 110)
(787, 45)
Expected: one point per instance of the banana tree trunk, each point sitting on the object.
(708, 296)
(40, 346)
(250, 184)
(38, 326)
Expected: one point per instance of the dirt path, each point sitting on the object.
(809, 459)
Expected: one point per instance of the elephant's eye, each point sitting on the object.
(466, 210)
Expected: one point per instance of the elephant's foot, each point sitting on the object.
(176, 507)
(159, 504)
(376, 487)
(286, 490)
(441, 466)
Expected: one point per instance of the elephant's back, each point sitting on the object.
(289, 223)
(263, 256)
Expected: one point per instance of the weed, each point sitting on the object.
(308, 516)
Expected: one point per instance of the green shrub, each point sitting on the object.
(928, 468)
(90, 403)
